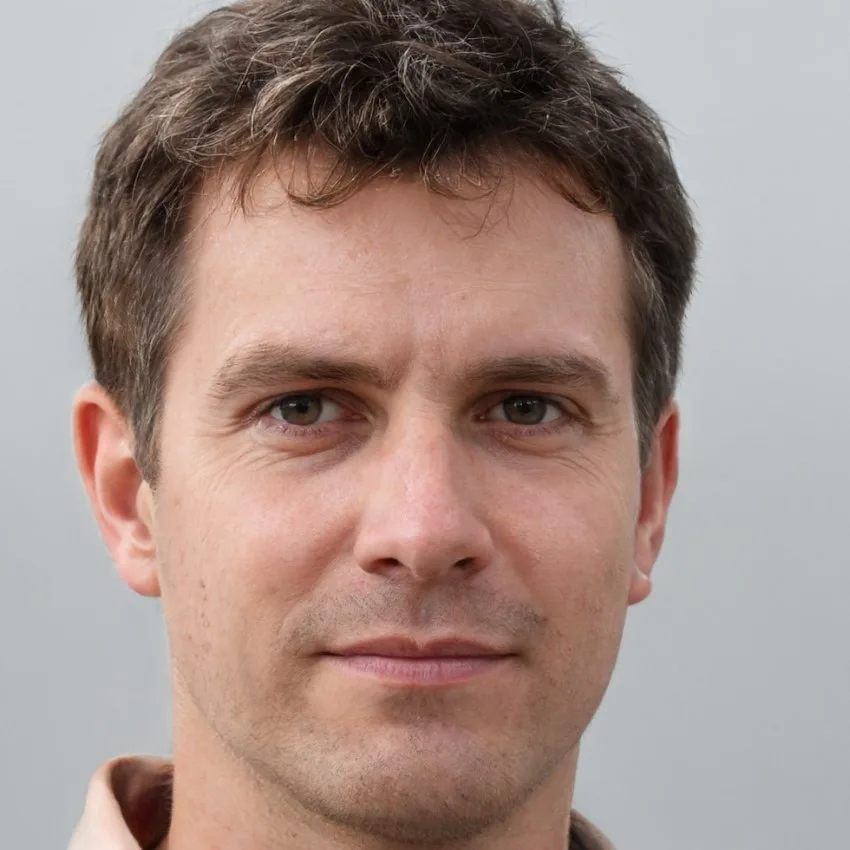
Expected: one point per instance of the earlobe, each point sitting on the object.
(640, 586)
(121, 499)
(658, 483)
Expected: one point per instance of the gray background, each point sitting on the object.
(727, 724)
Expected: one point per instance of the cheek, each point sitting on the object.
(573, 546)
(575, 526)
(240, 551)
(582, 588)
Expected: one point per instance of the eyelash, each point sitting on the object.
(567, 418)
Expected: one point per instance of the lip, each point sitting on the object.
(406, 662)
(397, 646)
(418, 672)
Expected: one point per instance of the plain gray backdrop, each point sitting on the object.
(727, 724)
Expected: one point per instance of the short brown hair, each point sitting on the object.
(438, 89)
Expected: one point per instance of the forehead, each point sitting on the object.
(397, 273)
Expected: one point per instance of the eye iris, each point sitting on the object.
(301, 410)
(525, 410)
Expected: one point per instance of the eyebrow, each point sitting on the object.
(571, 368)
(265, 364)
(262, 365)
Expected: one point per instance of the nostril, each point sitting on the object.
(464, 562)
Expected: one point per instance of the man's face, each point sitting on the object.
(387, 420)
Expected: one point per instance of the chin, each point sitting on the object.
(429, 805)
(426, 785)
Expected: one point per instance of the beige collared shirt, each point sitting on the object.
(128, 807)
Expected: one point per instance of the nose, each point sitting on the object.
(420, 512)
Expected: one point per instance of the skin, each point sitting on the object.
(426, 501)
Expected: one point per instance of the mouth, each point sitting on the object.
(408, 662)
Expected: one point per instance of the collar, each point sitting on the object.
(128, 807)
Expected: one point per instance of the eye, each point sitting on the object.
(305, 410)
(526, 410)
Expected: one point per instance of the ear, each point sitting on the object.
(658, 483)
(122, 500)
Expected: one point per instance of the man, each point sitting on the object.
(384, 299)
